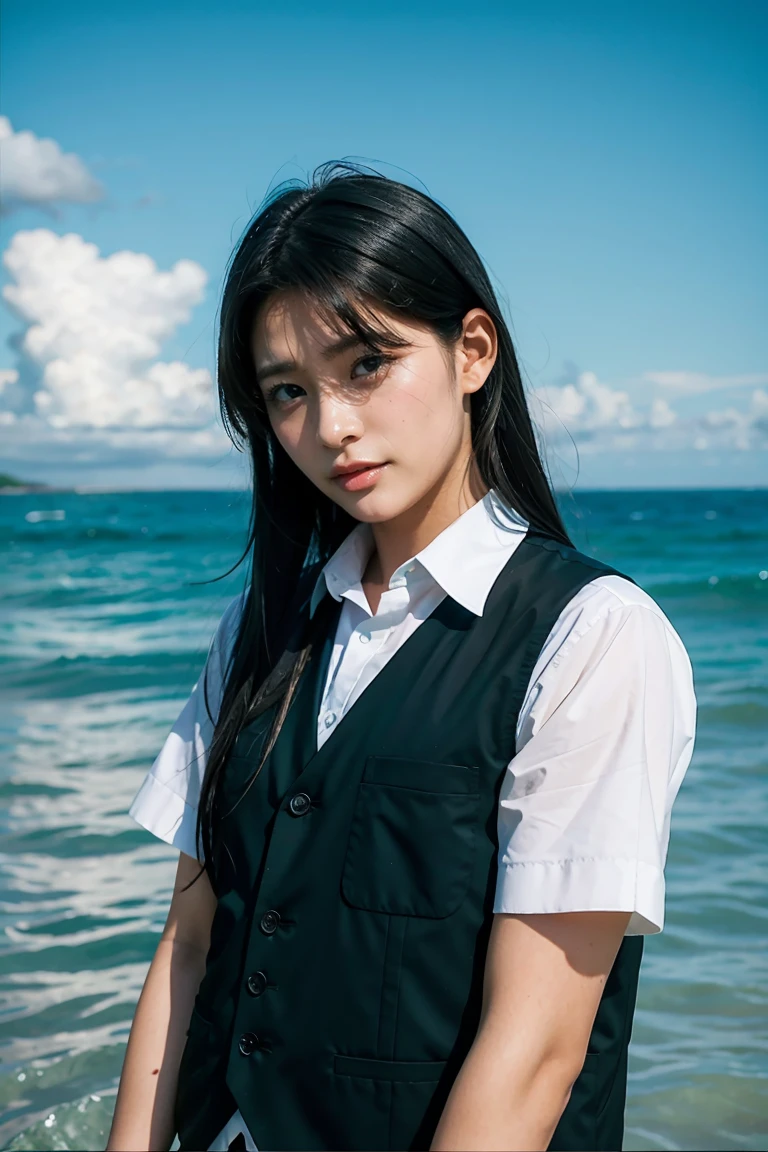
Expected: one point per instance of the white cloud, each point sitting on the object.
(587, 407)
(95, 330)
(11, 394)
(694, 383)
(661, 416)
(7, 376)
(35, 171)
(741, 429)
(600, 417)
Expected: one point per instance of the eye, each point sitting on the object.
(271, 394)
(372, 365)
(378, 359)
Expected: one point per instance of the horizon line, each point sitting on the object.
(95, 490)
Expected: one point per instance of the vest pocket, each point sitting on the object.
(387, 1104)
(195, 1076)
(410, 1071)
(412, 837)
(199, 1021)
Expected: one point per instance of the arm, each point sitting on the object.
(544, 976)
(143, 1118)
(605, 736)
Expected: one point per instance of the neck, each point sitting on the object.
(399, 539)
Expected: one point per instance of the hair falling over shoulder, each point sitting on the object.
(360, 245)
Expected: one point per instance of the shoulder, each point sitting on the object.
(613, 611)
(230, 617)
(604, 597)
(225, 631)
(611, 632)
(564, 581)
(166, 803)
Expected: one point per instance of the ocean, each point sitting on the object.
(107, 606)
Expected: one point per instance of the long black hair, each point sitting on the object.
(360, 245)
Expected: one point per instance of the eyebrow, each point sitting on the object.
(278, 367)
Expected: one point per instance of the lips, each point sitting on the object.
(358, 477)
(351, 469)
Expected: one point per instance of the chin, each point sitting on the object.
(372, 507)
(370, 510)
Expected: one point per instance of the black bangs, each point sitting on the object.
(345, 314)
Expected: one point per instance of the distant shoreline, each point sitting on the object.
(23, 489)
(10, 485)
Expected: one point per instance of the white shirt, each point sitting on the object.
(604, 735)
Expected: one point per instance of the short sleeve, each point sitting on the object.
(166, 803)
(605, 735)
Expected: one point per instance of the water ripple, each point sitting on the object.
(102, 634)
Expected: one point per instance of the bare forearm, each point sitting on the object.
(503, 1099)
(143, 1120)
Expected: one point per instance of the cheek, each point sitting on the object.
(287, 430)
(419, 410)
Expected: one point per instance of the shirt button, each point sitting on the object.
(248, 1043)
(300, 804)
(330, 717)
(364, 637)
(269, 921)
(256, 983)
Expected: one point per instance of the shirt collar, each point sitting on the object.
(464, 559)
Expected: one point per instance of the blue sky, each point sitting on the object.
(606, 159)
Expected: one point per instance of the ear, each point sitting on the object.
(476, 350)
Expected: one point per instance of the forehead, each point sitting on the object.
(291, 325)
(288, 322)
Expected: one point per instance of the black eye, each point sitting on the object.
(271, 394)
(377, 359)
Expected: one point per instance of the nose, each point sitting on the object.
(337, 422)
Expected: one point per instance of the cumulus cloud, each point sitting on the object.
(599, 416)
(95, 327)
(693, 383)
(587, 406)
(35, 171)
(661, 415)
(592, 410)
(7, 376)
(741, 428)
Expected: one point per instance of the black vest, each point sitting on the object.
(343, 984)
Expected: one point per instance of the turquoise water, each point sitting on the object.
(104, 624)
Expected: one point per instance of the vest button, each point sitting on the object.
(269, 921)
(248, 1043)
(256, 983)
(300, 804)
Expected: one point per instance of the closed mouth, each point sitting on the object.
(354, 471)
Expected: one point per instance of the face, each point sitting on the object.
(400, 416)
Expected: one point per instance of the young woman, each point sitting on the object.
(429, 765)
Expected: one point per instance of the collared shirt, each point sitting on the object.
(603, 740)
